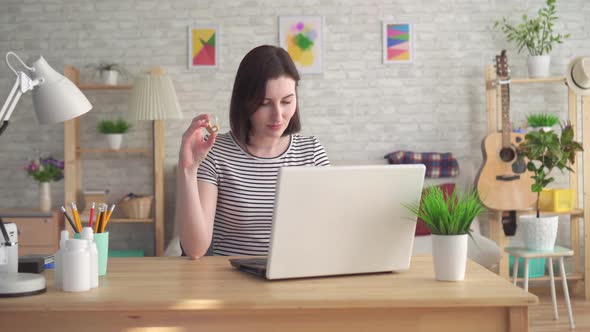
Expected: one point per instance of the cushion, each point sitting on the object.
(421, 227)
(438, 165)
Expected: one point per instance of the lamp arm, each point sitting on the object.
(23, 84)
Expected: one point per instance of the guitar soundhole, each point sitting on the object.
(507, 155)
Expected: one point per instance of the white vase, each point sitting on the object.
(539, 233)
(538, 65)
(450, 256)
(114, 141)
(45, 196)
(109, 77)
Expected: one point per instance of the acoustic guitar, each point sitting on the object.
(503, 182)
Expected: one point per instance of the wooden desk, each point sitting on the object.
(177, 294)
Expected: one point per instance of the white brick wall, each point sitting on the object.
(359, 108)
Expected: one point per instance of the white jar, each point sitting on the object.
(76, 271)
(59, 265)
(88, 235)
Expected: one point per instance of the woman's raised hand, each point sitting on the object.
(194, 147)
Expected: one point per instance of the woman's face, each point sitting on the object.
(279, 104)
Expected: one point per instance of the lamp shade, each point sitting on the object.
(57, 99)
(154, 98)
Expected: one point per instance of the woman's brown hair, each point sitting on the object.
(260, 65)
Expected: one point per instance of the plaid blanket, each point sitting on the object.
(438, 165)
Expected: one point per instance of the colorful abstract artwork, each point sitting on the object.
(203, 46)
(302, 37)
(397, 43)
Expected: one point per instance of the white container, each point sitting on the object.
(114, 141)
(76, 271)
(539, 233)
(45, 196)
(59, 283)
(538, 65)
(109, 77)
(450, 256)
(88, 235)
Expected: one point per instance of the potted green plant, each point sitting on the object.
(108, 71)
(114, 130)
(545, 151)
(536, 35)
(544, 121)
(449, 218)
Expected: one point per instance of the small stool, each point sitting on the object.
(558, 252)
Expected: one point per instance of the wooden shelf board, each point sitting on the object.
(538, 80)
(574, 212)
(104, 87)
(571, 276)
(149, 220)
(120, 151)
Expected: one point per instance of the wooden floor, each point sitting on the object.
(541, 315)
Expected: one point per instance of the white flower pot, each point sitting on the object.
(545, 129)
(109, 77)
(539, 233)
(114, 141)
(538, 65)
(450, 256)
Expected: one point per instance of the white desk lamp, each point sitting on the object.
(55, 99)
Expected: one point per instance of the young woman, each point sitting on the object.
(226, 183)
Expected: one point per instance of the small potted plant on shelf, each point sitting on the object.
(545, 151)
(109, 71)
(114, 130)
(449, 218)
(536, 35)
(542, 121)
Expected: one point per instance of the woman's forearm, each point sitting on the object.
(195, 231)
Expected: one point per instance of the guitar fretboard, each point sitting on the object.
(506, 126)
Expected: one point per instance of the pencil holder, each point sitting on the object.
(102, 246)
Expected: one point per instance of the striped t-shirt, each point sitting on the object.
(246, 190)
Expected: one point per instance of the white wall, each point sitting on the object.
(359, 108)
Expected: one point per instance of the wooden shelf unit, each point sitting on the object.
(496, 232)
(146, 152)
(73, 161)
(104, 87)
(538, 80)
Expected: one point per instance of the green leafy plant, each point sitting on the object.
(119, 126)
(450, 215)
(545, 151)
(45, 169)
(534, 33)
(542, 120)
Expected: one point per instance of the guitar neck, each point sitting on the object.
(506, 126)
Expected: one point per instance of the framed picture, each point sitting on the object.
(398, 43)
(203, 46)
(303, 38)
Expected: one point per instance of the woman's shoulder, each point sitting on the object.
(301, 139)
(225, 140)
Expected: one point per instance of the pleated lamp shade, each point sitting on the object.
(153, 97)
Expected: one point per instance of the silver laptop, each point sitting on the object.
(340, 220)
